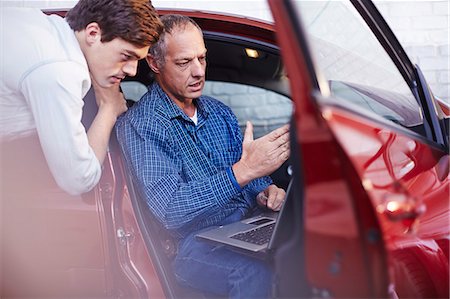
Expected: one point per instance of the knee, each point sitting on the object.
(252, 280)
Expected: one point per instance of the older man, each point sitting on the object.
(192, 166)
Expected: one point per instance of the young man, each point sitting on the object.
(48, 65)
(187, 155)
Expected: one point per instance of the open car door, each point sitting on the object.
(370, 217)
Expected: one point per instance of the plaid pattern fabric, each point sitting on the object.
(181, 168)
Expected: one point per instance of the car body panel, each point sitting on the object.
(399, 174)
(142, 279)
(229, 24)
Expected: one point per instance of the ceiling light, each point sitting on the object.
(251, 53)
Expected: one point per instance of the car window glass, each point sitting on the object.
(266, 110)
(133, 90)
(357, 68)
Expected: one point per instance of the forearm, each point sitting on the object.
(111, 104)
(176, 203)
(99, 133)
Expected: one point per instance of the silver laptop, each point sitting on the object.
(255, 235)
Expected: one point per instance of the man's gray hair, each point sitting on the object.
(170, 22)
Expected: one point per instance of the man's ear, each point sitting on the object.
(93, 33)
(152, 64)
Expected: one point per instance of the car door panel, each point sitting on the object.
(369, 192)
(342, 254)
(400, 176)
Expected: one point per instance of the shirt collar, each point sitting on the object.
(171, 110)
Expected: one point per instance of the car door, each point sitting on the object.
(374, 193)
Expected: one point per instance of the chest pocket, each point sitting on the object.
(223, 147)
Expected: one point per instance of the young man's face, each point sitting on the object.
(110, 62)
(183, 75)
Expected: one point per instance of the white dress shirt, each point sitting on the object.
(43, 79)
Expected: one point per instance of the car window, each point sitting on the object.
(133, 90)
(266, 110)
(359, 71)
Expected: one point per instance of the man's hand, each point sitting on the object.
(262, 156)
(272, 198)
(109, 99)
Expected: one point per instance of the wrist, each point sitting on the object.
(233, 179)
(105, 117)
(242, 173)
(108, 111)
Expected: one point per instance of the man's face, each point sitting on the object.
(110, 62)
(183, 75)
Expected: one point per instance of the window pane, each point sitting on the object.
(358, 69)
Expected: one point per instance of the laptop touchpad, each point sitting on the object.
(261, 221)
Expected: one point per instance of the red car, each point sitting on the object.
(369, 215)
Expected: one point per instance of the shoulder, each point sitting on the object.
(143, 117)
(38, 44)
(47, 47)
(68, 88)
(43, 38)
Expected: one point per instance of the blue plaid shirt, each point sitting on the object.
(183, 170)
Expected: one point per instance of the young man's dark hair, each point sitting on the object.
(134, 21)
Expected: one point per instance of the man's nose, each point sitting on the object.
(130, 68)
(198, 68)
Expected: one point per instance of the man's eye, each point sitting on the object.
(202, 59)
(184, 63)
(126, 57)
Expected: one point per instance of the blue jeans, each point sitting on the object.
(218, 270)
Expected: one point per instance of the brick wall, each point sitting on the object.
(423, 29)
(266, 110)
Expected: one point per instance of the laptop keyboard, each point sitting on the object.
(259, 236)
